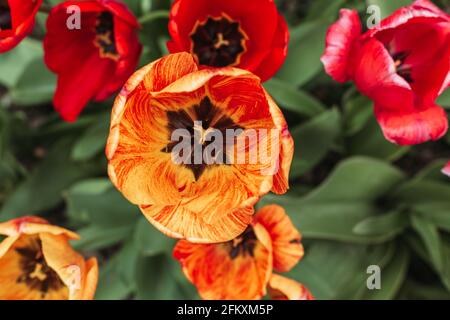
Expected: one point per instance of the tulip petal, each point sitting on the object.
(409, 128)
(282, 288)
(275, 59)
(217, 275)
(11, 271)
(446, 169)
(69, 265)
(286, 240)
(340, 40)
(181, 223)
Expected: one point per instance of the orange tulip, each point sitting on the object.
(281, 288)
(201, 201)
(38, 263)
(241, 268)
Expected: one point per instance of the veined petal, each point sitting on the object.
(219, 272)
(282, 288)
(69, 265)
(33, 225)
(286, 240)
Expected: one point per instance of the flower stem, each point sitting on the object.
(158, 14)
(45, 8)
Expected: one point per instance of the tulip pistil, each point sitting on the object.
(218, 42)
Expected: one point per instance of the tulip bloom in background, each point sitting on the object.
(16, 21)
(402, 64)
(94, 61)
(282, 288)
(220, 33)
(201, 202)
(446, 169)
(38, 263)
(242, 268)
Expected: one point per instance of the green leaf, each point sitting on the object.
(313, 140)
(437, 213)
(93, 141)
(96, 237)
(15, 62)
(150, 241)
(432, 171)
(357, 112)
(370, 142)
(97, 202)
(325, 10)
(116, 280)
(357, 179)
(338, 271)
(417, 192)
(43, 189)
(413, 290)
(293, 99)
(391, 223)
(431, 239)
(156, 279)
(445, 274)
(444, 99)
(35, 86)
(306, 46)
(346, 198)
(153, 15)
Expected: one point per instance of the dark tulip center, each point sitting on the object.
(5, 16)
(200, 123)
(218, 42)
(402, 69)
(36, 273)
(244, 244)
(105, 40)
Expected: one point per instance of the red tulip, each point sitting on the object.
(94, 61)
(16, 21)
(446, 169)
(402, 64)
(249, 35)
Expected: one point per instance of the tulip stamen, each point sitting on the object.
(218, 42)
(5, 16)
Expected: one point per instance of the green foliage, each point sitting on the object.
(357, 199)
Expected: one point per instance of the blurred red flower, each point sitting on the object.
(95, 60)
(402, 65)
(220, 33)
(446, 169)
(16, 21)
